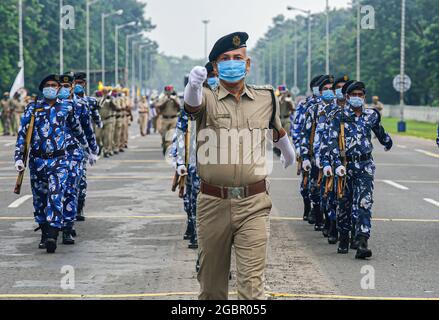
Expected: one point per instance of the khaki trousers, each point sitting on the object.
(117, 137)
(107, 135)
(165, 126)
(17, 120)
(124, 137)
(242, 223)
(143, 123)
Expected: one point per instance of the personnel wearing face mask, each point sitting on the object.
(233, 204)
(297, 124)
(338, 89)
(75, 155)
(353, 125)
(286, 107)
(168, 107)
(108, 115)
(48, 162)
(212, 76)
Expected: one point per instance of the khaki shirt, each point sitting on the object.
(224, 115)
(106, 111)
(5, 107)
(143, 107)
(286, 108)
(169, 107)
(17, 106)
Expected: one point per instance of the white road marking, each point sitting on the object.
(401, 146)
(396, 185)
(20, 201)
(136, 136)
(9, 144)
(433, 202)
(431, 154)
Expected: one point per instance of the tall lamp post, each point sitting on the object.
(103, 17)
(127, 53)
(61, 40)
(359, 40)
(308, 12)
(116, 49)
(206, 22)
(87, 40)
(327, 36)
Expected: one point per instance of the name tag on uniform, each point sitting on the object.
(223, 116)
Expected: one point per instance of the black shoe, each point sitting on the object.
(318, 227)
(121, 150)
(51, 240)
(325, 230)
(343, 246)
(43, 227)
(307, 209)
(116, 152)
(189, 231)
(80, 214)
(319, 219)
(73, 232)
(106, 155)
(363, 251)
(193, 244)
(333, 233)
(313, 214)
(354, 241)
(67, 237)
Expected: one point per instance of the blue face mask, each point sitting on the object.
(316, 91)
(328, 95)
(50, 93)
(64, 93)
(213, 82)
(78, 89)
(232, 70)
(339, 94)
(356, 102)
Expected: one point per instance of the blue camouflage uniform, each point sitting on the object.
(76, 155)
(356, 205)
(437, 140)
(48, 163)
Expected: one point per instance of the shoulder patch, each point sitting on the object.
(264, 87)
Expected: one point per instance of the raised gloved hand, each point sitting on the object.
(181, 170)
(340, 171)
(306, 165)
(327, 171)
(19, 165)
(92, 159)
(193, 93)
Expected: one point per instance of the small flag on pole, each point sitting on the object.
(18, 83)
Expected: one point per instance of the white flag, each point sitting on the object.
(18, 83)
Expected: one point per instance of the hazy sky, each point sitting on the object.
(180, 31)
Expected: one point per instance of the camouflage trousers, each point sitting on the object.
(76, 167)
(191, 194)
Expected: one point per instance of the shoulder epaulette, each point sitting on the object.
(263, 87)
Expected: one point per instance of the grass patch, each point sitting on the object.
(414, 128)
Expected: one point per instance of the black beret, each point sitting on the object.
(345, 78)
(209, 67)
(328, 79)
(357, 85)
(66, 78)
(314, 82)
(227, 43)
(80, 76)
(346, 86)
(51, 77)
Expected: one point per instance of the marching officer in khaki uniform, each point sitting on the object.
(233, 205)
(286, 107)
(128, 118)
(18, 105)
(5, 114)
(168, 108)
(377, 105)
(117, 136)
(107, 112)
(143, 115)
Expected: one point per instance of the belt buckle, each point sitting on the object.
(235, 193)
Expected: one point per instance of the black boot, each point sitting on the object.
(80, 215)
(312, 215)
(73, 232)
(51, 240)
(363, 251)
(307, 209)
(319, 220)
(189, 231)
(333, 233)
(43, 227)
(193, 244)
(343, 246)
(326, 226)
(67, 237)
(354, 241)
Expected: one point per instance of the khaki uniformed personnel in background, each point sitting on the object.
(17, 106)
(5, 114)
(107, 112)
(233, 205)
(286, 108)
(117, 136)
(377, 105)
(128, 118)
(143, 115)
(168, 107)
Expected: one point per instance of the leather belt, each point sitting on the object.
(233, 192)
(49, 155)
(169, 117)
(142, 112)
(363, 157)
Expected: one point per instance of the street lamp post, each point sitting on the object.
(127, 52)
(116, 49)
(103, 17)
(206, 22)
(327, 36)
(308, 12)
(359, 40)
(20, 34)
(61, 40)
(88, 4)
(402, 125)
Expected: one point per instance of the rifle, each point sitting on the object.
(187, 138)
(341, 181)
(30, 129)
(299, 165)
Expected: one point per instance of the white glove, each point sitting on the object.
(92, 159)
(340, 171)
(19, 165)
(327, 171)
(306, 165)
(101, 125)
(288, 156)
(193, 93)
(182, 171)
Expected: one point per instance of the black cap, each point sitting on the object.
(80, 76)
(227, 43)
(66, 78)
(346, 86)
(51, 77)
(328, 79)
(343, 79)
(357, 85)
(315, 81)
(209, 67)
